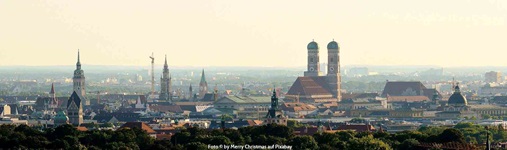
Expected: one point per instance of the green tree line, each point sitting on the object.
(68, 137)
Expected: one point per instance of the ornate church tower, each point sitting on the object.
(333, 69)
(313, 68)
(165, 83)
(203, 86)
(275, 115)
(79, 79)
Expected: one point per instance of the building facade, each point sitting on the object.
(493, 77)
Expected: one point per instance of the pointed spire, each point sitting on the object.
(52, 89)
(203, 78)
(78, 64)
(165, 63)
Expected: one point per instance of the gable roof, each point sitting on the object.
(74, 98)
(310, 86)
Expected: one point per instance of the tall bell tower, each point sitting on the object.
(79, 79)
(313, 68)
(333, 69)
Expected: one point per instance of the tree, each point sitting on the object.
(367, 142)
(408, 144)
(451, 135)
(303, 142)
(294, 124)
(196, 145)
(486, 116)
(464, 125)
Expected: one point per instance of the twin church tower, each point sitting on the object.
(313, 86)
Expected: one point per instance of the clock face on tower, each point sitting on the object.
(331, 68)
(311, 69)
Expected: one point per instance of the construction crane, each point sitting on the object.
(152, 57)
(98, 94)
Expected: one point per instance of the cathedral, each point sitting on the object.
(314, 87)
(165, 83)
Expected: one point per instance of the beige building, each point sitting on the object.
(493, 77)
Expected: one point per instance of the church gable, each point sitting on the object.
(74, 98)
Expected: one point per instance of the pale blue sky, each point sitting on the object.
(253, 33)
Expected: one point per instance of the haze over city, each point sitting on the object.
(252, 33)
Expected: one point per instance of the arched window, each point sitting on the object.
(311, 60)
(331, 60)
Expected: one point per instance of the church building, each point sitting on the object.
(314, 87)
(75, 102)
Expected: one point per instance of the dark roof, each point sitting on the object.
(208, 97)
(167, 108)
(456, 98)
(102, 118)
(310, 86)
(189, 108)
(397, 88)
(76, 98)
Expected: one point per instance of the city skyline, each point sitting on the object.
(216, 33)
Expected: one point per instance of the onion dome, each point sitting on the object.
(332, 45)
(312, 45)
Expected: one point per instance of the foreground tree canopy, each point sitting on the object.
(67, 137)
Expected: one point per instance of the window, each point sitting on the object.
(311, 60)
(331, 60)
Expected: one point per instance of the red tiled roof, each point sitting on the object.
(293, 107)
(140, 125)
(357, 127)
(309, 86)
(80, 128)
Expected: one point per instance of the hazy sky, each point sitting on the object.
(253, 33)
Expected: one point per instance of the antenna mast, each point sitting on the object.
(152, 57)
